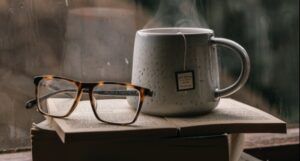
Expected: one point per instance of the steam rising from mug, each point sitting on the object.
(177, 13)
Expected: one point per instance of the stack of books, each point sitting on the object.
(81, 137)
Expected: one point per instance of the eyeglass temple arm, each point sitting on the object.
(31, 103)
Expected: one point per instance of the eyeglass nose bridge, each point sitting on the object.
(88, 89)
(84, 89)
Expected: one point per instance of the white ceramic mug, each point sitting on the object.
(180, 65)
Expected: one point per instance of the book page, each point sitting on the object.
(228, 111)
(83, 119)
(229, 116)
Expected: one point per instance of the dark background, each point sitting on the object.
(37, 37)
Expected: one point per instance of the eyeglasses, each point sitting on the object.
(110, 101)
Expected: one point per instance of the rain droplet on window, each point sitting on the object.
(11, 11)
(67, 3)
(126, 61)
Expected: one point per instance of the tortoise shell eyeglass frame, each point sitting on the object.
(88, 88)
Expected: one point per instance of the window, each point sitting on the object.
(93, 40)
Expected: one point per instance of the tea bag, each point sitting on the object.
(185, 78)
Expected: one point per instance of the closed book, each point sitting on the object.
(82, 137)
(47, 146)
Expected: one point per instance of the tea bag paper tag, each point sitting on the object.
(185, 80)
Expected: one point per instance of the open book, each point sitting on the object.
(229, 117)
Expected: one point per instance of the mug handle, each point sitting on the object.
(242, 53)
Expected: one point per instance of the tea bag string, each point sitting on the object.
(185, 49)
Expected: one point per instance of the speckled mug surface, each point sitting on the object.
(161, 53)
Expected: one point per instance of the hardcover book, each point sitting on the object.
(47, 146)
(82, 137)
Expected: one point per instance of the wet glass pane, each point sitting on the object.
(93, 40)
